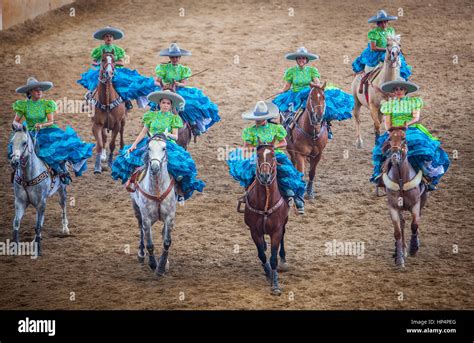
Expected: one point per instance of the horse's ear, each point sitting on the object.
(324, 85)
(258, 141)
(273, 140)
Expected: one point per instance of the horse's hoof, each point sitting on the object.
(359, 144)
(97, 171)
(310, 196)
(283, 267)
(152, 263)
(276, 291)
(141, 259)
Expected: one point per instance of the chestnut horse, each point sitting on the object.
(405, 192)
(308, 137)
(266, 212)
(109, 114)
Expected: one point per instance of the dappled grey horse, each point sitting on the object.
(33, 184)
(153, 199)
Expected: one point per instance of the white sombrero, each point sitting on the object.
(301, 52)
(263, 110)
(32, 83)
(381, 16)
(176, 99)
(174, 50)
(116, 33)
(390, 85)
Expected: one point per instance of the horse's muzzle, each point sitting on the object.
(15, 161)
(155, 167)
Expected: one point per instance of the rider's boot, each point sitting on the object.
(329, 129)
(128, 105)
(64, 175)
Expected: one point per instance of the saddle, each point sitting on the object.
(136, 177)
(368, 79)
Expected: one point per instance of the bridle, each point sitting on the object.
(395, 51)
(271, 166)
(107, 70)
(165, 157)
(312, 109)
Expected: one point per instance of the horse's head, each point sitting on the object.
(107, 66)
(394, 50)
(398, 147)
(157, 156)
(266, 163)
(316, 104)
(22, 146)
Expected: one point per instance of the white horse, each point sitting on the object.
(33, 184)
(153, 199)
(390, 71)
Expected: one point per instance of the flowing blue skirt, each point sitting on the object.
(421, 149)
(128, 83)
(290, 180)
(180, 163)
(55, 147)
(372, 58)
(198, 110)
(339, 104)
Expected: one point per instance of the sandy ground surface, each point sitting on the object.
(214, 263)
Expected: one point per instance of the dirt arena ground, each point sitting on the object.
(214, 262)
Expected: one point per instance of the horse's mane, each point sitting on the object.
(394, 37)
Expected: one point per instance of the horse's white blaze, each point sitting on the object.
(265, 153)
(109, 64)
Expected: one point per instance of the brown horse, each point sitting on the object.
(405, 192)
(266, 212)
(109, 114)
(308, 137)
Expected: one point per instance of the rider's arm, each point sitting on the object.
(388, 121)
(287, 87)
(142, 135)
(374, 47)
(48, 123)
(281, 144)
(315, 82)
(416, 117)
(173, 134)
(119, 62)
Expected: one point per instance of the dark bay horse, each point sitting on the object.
(405, 192)
(308, 136)
(109, 114)
(266, 212)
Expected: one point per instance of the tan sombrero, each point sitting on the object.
(175, 50)
(176, 99)
(390, 85)
(301, 52)
(263, 110)
(32, 83)
(116, 33)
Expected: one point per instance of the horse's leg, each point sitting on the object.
(122, 127)
(20, 208)
(374, 112)
(312, 173)
(282, 265)
(402, 229)
(163, 263)
(112, 146)
(261, 247)
(141, 246)
(299, 162)
(97, 131)
(395, 216)
(415, 240)
(357, 106)
(276, 238)
(103, 155)
(39, 225)
(149, 242)
(63, 204)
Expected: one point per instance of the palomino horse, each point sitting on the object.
(405, 191)
(308, 137)
(33, 184)
(110, 112)
(266, 212)
(373, 95)
(153, 199)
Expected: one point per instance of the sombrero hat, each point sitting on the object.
(390, 85)
(381, 16)
(32, 83)
(263, 110)
(116, 33)
(301, 52)
(174, 50)
(176, 99)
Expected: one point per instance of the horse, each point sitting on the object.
(109, 114)
(389, 71)
(405, 192)
(33, 184)
(308, 137)
(266, 212)
(153, 199)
